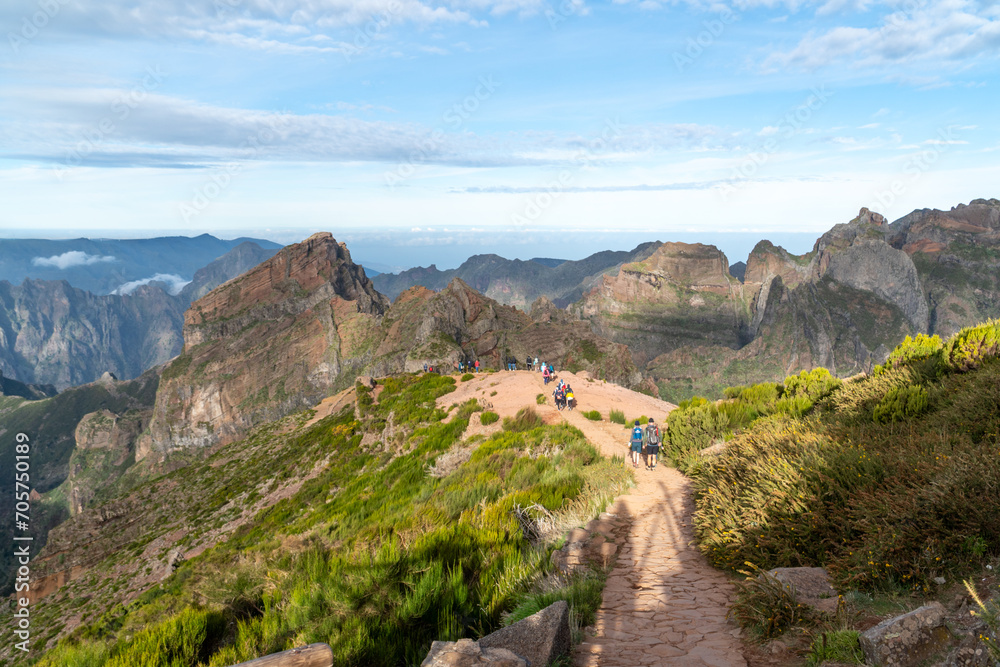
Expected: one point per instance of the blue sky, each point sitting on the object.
(276, 118)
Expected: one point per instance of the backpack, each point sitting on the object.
(637, 434)
(653, 434)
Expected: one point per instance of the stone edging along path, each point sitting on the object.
(663, 604)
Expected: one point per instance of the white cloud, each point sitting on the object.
(950, 30)
(174, 283)
(173, 132)
(70, 259)
(276, 26)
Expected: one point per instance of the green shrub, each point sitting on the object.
(901, 403)
(697, 423)
(923, 351)
(540, 399)
(880, 486)
(841, 646)
(488, 417)
(178, 640)
(765, 607)
(592, 415)
(617, 417)
(467, 377)
(582, 592)
(525, 420)
(968, 348)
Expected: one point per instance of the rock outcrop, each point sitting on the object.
(682, 293)
(540, 638)
(957, 257)
(53, 333)
(467, 653)
(906, 640)
(278, 338)
(811, 586)
(535, 641)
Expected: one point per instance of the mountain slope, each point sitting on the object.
(396, 508)
(51, 424)
(307, 322)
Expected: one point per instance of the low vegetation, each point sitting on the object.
(592, 415)
(377, 557)
(881, 479)
(617, 417)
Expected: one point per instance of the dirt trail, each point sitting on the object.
(663, 604)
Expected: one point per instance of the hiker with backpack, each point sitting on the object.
(560, 397)
(545, 375)
(652, 444)
(570, 398)
(635, 443)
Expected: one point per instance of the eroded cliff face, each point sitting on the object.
(957, 257)
(52, 333)
(459, 323)
(441, 328)
(276, 339)
(694, 329)
(681, 294)
(105, 448)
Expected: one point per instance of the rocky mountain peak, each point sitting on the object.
(691, 264)
(278, 338)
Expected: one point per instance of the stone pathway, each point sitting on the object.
(663, 604)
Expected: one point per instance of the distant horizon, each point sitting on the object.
(393, 251)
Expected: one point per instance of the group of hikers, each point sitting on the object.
(564, 396)
(645, 438)
(642, 440)
(510, 364)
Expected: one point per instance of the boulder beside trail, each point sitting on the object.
(907, 640)
(811, 585)
(467, 653)
(535, 641)
(539, 638)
